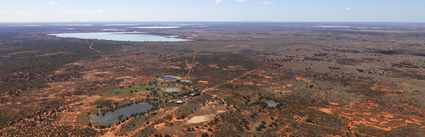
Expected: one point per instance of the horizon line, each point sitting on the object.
(23, 22)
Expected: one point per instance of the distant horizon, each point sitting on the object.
(212, 11)
(219, 21)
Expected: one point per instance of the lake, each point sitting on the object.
(121, 36)
(114, 116)
(169, 78)
(157, 27)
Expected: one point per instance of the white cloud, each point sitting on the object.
(53, 2)
(267, 3)
(348, 8)
(99, 10)
(221, 1)
(263, 2)
(218, 2)
(240, 0)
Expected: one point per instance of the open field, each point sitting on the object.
(365, 80)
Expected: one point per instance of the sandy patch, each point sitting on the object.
(97, 75)
(326, 110)
(203, 81)
(208, 112)
(199, 119)
(213, 66)
(173, 67)
(305, 80)
(159, 126)
(359, 113)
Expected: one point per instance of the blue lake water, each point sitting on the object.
(114, 116)
(157, 27)
(169, 78)
(121, 36)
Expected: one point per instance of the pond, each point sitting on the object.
(114, 116)
(120, 36)
(169, 78)
(271, 103)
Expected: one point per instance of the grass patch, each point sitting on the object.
(127, 90)
(103, 102)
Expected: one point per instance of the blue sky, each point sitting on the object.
(212, 10)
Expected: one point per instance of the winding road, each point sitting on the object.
(94, 49)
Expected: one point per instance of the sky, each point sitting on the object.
(212, 10)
